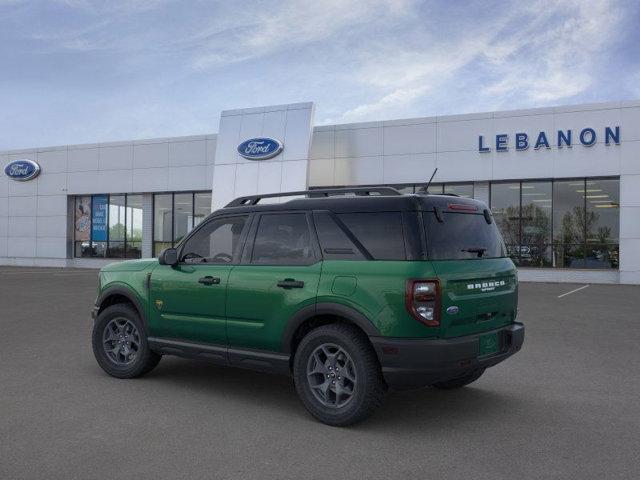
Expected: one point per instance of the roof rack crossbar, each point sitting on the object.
(321, 192)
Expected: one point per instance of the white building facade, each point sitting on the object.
(563, 182)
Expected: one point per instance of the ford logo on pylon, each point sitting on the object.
(260, 148)
(22, 170)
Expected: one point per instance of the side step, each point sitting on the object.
(271, 362)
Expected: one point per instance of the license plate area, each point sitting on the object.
(489, 344)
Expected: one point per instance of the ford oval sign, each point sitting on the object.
(22, 170)
(260, 148)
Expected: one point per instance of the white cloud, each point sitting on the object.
(543, 52)
(288, 24)
(166, 67)
(556, 63)
(397, 98)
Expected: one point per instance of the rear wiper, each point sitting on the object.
(480, 251)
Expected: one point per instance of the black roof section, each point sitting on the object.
(321, 192)
(359, 199)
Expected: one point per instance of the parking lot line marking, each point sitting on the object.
(573, 291)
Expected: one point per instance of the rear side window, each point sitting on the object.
(380, 233)
(462, 236)
(334, 242)
(283, 239)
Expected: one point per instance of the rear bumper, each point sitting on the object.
(412, 363)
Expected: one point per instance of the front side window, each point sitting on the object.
(283, 239)
(216, 242)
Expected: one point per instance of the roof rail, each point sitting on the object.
(321, 192)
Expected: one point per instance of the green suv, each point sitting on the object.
(349, 291)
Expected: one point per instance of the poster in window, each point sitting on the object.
(99, 218)
(83, 219)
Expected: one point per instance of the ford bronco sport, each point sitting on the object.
(348, 294)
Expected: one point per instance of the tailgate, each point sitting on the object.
(477, 295)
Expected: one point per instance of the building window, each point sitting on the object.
(182, 215)
(603, 223)
(162, 222)
(134, 226)
(108, 226)
(535, 227)
(460, 189)
(117, 219)
(565, 224)
(175, 215)
(505, 205)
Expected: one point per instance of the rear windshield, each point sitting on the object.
(462, 236)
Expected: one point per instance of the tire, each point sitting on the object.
(133, 358)
(359, 387)
(460, 381)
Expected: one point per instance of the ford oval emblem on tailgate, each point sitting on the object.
(452, 310)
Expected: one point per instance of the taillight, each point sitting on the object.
(422, 300)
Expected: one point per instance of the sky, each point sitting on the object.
(80, 71)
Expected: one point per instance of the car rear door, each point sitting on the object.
(278, 275)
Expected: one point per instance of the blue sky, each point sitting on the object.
(79, 71)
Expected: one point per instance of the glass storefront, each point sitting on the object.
(175, 215)
(548, 223)
(461, 189)
(108, 226)
(561, 223)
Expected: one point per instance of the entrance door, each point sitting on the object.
(188, 300)
(278, 276)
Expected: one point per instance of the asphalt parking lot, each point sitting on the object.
(567, 406)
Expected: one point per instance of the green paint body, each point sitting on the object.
(248, 310)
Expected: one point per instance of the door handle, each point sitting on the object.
(290, 283)
(209, 280)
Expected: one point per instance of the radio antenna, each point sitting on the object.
(426, 188)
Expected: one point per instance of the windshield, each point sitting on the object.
(462, 236)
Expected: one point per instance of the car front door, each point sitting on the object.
(278, 275)
(188, 299)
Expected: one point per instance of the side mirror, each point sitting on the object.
(168, 256)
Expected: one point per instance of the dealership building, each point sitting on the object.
(563, 182)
